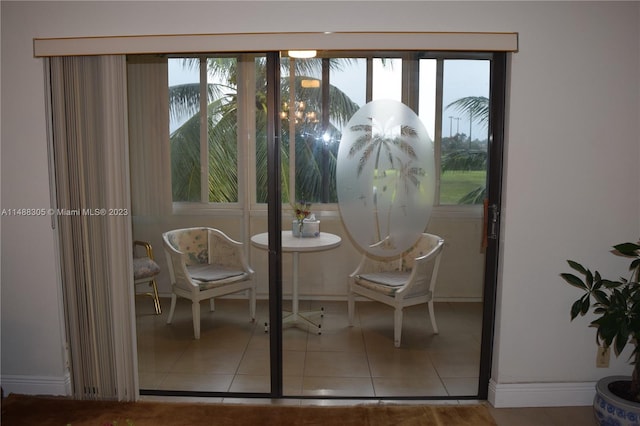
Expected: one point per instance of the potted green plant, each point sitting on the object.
(616, 304)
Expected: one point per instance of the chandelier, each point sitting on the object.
(298, 113)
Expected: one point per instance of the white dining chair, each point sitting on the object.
(401, 281)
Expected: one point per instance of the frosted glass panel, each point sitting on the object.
(386, 177)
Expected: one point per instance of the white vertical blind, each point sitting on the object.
(147, 82)
(91, 162)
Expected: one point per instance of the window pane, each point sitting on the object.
(387, 78)
(427, 97)
(349, 77)
(304, 105)
(465, 119)
(261, 131)
(222, 121)
(317, 138)
(217, 149)
(184, 125)
(314, 144)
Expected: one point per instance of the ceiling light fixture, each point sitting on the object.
(309, 83)
(302, 54)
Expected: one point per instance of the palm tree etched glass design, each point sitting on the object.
(385, 175)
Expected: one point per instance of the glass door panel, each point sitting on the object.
(209, 160)
(359, 359)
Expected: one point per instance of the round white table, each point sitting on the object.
(297, 245)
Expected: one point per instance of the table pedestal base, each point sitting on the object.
(301, 320)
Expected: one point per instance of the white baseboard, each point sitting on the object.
(500, 395)
(36, 385)
(541, 394)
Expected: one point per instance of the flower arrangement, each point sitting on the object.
(302, 210)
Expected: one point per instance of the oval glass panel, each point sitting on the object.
(385, 177)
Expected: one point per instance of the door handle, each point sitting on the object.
(494, 216)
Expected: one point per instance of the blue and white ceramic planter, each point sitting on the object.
(611, 410)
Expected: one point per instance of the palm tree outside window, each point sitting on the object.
(319, 96)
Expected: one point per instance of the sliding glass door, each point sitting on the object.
(254, 140)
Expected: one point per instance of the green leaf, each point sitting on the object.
(628, 249)
(601, 296)
(576, 308)
(621, 338)
(589, 279)
(634, 324)
(596, 285)
(607, 329)
(598, 278)
(618, 298)
(578, 267)
(612, 284)
(586, 304)
(573, 280)
(635, 266)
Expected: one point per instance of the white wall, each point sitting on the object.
(571, 183)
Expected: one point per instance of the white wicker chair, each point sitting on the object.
(205, 263)
(405, 280)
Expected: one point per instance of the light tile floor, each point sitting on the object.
(232, 355)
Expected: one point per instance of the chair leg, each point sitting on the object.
(154, 295)
(432, 316)
(195, 311)
(212, 304)
(397, 327)
(351, 307)
(172, 309)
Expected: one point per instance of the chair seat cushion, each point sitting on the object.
(383, 282)
(208, 273)
(143, 267)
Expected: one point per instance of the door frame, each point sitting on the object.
(492, 219)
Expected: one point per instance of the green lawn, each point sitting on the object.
(455, 184)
